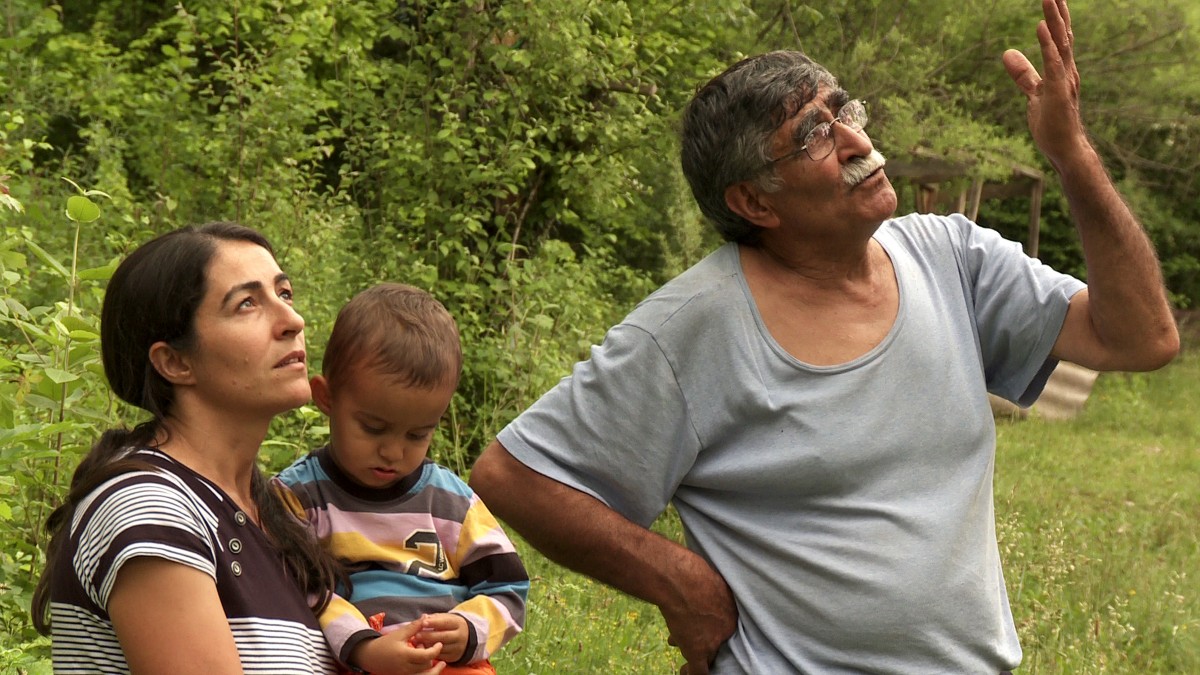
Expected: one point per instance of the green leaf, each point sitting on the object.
(12, 259)
(11, 202)
(25, 432)
(74, 323)
(80, 209)
(103, 273)
(37, 401)
(60, 376)
(48, 259)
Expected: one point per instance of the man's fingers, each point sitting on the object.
(1066, 16)
(1058, 43)
(1052, 56)
(1058, 20)
(1058, 55)
(1021, 71)
(1067, 45)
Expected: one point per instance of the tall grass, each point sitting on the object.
(1099, 527)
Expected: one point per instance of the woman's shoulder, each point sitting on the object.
(148, 507)
(151, 487)
(141, 466)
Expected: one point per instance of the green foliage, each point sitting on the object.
(516, 158)
(52, 399)
(557, 307)
(26, 659)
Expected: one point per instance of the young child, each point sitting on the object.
(425, 558)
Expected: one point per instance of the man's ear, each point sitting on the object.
(173, 365)
(321, 394)
(747, 200)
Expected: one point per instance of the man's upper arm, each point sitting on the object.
(1077, 341)
(618, 429)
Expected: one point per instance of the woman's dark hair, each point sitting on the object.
(153, 296)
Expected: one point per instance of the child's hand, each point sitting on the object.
(451, 630)
(393, 654)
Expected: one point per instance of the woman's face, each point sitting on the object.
(248, 357)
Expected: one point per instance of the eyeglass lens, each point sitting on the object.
(819, 142)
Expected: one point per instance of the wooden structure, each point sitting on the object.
(928, 172)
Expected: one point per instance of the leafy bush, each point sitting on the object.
(53, 399)
(517, 159)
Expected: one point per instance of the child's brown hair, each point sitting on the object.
(396, 330)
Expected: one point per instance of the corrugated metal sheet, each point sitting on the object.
(1066, 392)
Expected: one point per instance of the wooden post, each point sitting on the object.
(1035, 215)
(976, 196)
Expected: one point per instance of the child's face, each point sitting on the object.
(379, 430)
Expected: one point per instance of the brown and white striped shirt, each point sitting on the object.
(175, 514)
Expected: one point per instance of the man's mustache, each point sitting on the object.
(857, 170)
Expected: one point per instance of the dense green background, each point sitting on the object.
(517, 158)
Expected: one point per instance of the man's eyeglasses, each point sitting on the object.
(819, 142)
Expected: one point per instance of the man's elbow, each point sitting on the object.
(1165, 348)
(1152, 353)
(486, 475)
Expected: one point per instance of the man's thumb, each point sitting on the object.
(1021, 71)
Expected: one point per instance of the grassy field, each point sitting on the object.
(1099, 527)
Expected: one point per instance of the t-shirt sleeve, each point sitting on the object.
(137, 515)
(342, 623)
(617, 428)
(495, 579)
(286, 493)
(1020, 305)
(344, 627)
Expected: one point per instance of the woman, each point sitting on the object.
(171, 554)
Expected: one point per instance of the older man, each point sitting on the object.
(812, 396)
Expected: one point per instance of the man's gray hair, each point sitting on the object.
(729, 125)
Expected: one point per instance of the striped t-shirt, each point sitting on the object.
(425, 545)
(175, 514)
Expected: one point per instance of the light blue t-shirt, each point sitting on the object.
(849, 507)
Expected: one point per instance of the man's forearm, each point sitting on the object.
(576, 530)
(1128, 307)
(583, 534)
(1123, 320)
